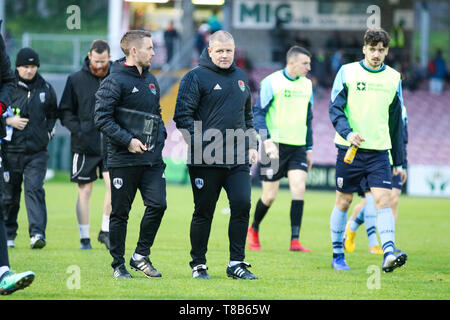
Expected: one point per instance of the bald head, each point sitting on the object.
(221, 49)
(220, 36)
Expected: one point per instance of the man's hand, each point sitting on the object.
(397, 171)
(271, 149)
(136, 146)
(355, 138)
(309, 159)
(17, 122)
(253, 156)
(404, 176)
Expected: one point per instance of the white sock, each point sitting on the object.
(233, 263)
(105, 223)
(137, 256)
(84, 231)
(3, 269)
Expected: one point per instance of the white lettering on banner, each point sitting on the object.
(305, 15)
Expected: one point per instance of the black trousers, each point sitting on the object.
(4, 261)
(29, 169)
(124, 184)
(207, 182)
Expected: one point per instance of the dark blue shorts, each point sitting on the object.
(397, 181)
(363, 188)
(290, 158)
(369, 164)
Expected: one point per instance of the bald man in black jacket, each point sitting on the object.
(214, 114)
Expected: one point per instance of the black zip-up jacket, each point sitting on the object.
(76, 111)
(121, 101)
(7, 80)
(35, 100)
(221, 100)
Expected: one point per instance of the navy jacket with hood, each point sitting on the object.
(76, 111)
(35, 100)
(220, 100)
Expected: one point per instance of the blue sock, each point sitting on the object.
(358, 221)
(370, 219)
(386, 229)
(338, 220)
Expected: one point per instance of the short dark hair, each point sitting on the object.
(130, 38)
(374, 36)
(296, 50)
(99, 46)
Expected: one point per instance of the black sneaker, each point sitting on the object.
(85, 244)
(199, 272)
(239, 271)
(37, 241)
(103, 237)
(121, 272)
(145, 266)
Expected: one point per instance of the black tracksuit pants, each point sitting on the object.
(4, 261)
(124, 184)
(29, 169)
(207, 182)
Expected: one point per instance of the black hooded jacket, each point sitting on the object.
(221, 100)
(76, 111)
(35, 100)
(7, 80)
(123, 100)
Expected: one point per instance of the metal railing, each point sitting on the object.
(59, 52)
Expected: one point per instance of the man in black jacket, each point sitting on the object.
(32, 118)
(214, 103)
(9, 281)
(128, 113)
(87, 144)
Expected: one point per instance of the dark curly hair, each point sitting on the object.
(374, 36)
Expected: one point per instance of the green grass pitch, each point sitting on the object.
(63, 271)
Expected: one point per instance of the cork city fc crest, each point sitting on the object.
(241, 85)
(152, 88)
(199, 183)
(117, 183)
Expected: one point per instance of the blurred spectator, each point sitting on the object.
(242, 61)
(214, 23)
(320, 72)
(337, 60)
(398, 36)
(412, 75)
(397, 43)
(201, 38)
(302, 41)
(353, 50)
(334, 42)
(279, 47)
(9, 41)
(170, 36)
(438, 73)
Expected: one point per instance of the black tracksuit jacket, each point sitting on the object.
(76, 111)
(7, 81)
(221, 100)
(35, 100)
(128, 93)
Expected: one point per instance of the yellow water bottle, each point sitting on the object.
(350, 155)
